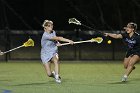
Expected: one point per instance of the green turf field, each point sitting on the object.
(77, 77)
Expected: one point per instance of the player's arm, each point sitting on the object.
(57, 38)
(116, 36)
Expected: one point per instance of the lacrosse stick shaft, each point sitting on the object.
(87, 26)
(12, 49)
(78, 42)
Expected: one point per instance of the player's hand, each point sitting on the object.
(1, 53)
(58, 44)
(71, 42)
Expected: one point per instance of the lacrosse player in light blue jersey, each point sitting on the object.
(49, 50)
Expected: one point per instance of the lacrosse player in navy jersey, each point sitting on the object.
(132, 40)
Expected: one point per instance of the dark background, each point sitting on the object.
(20, 19)
(100, 14)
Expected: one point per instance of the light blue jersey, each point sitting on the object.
(49, 48)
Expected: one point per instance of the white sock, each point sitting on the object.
(125, 76)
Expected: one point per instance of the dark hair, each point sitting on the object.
(133, 25)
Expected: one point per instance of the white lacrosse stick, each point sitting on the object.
(77, 22)
(74, 21)
(98, 40)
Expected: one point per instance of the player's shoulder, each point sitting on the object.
(45, 33)
(54, 31)
(124, 34)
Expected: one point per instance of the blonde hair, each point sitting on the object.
(133, 25)
(46, 22)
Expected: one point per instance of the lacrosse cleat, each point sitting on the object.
(56, 77)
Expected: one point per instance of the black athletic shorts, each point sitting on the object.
(131, 53)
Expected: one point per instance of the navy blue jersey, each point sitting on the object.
(133, 43)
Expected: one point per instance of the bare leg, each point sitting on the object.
(56, 64)
(56, 68)
(126, 62)
(47, 67)
(131, 64)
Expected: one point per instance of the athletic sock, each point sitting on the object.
(125, 76)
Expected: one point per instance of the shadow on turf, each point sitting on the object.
(130, 81)
(29, 84)
(36, 84)
(119, 82)
(136, 79)
(40, 83)
(5, 80)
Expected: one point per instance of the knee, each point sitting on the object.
(130, 65)
(56, 59)
(56, 62)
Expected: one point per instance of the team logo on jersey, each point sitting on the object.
(131, 42)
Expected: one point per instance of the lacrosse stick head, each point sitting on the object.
(1, 53)
(98, 39)
(74, 21)
(28, 43)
